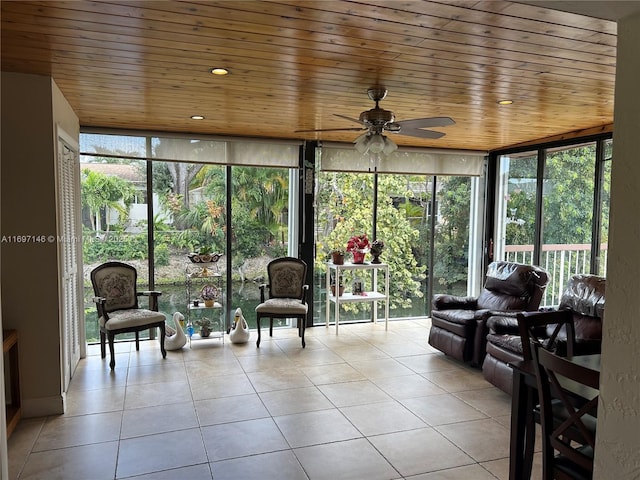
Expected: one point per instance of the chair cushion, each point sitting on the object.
(281, 306)
(137, 317)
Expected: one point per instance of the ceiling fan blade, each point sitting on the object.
(419, 133)
(349, 118)
(352, 129)
(426, 122)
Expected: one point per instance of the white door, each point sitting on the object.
(69, 248)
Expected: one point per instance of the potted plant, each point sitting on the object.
(209, 293)
(335, 251)
(337, 256)
(206, 326)
(340, 287)
(358, 246)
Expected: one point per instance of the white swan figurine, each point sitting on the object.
(175, 339)
(240, 330)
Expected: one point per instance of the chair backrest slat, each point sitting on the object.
(572, 433)
(534, 327)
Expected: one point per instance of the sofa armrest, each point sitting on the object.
(503, 323)
(449, 302)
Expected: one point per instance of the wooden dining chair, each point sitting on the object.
(551, 330)
(568, 409)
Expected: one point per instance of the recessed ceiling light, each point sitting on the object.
(219, 71)
(197, 117)
(505, 102)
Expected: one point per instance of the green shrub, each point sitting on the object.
(162, 255)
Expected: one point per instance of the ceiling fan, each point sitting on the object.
(377, 121)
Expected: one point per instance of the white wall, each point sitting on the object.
(618, 433)
(32, 105)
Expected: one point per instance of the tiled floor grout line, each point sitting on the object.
(325, 351)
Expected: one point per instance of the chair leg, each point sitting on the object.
(137, 340)
(162, 335)
(258, 324)
(112, 363)
(103, 344)
(271, 326)
(302, 326)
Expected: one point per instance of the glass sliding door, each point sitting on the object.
(604, 198)
(405, 214)
(516, 207)
(259, 231)
(207, 195)
(552, 210)
(114, 223)
(189, 216)
(344, 208)
(567, 218)
(451, 235)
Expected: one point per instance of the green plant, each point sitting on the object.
(206, 326)
(205, 322)
(358, 243)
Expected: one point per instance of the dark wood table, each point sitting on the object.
(523, 400)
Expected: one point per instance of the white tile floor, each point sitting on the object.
(364, 404)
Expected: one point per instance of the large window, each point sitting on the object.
(552, 210)
(221, 197)
(425, 221)
(567, 214)
(452, 235)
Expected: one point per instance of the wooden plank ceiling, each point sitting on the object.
(294, 64)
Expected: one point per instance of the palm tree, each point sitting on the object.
(105, 191)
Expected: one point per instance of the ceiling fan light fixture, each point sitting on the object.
(362, 143)
(376, 143)
(197, 117)
(219, 71)
(389, 146)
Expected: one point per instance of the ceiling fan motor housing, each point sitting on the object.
(377, 117)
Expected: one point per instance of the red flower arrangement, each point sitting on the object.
(358, 243)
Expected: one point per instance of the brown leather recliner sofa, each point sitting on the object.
(458, 324)
(583, 299)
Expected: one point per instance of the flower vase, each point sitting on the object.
(337, 258)
(358, 256)
(376, 259)
(209, 303)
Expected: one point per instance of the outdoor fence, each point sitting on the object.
(561, 261)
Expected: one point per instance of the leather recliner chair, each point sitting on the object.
(458, 324)
(583, 297)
